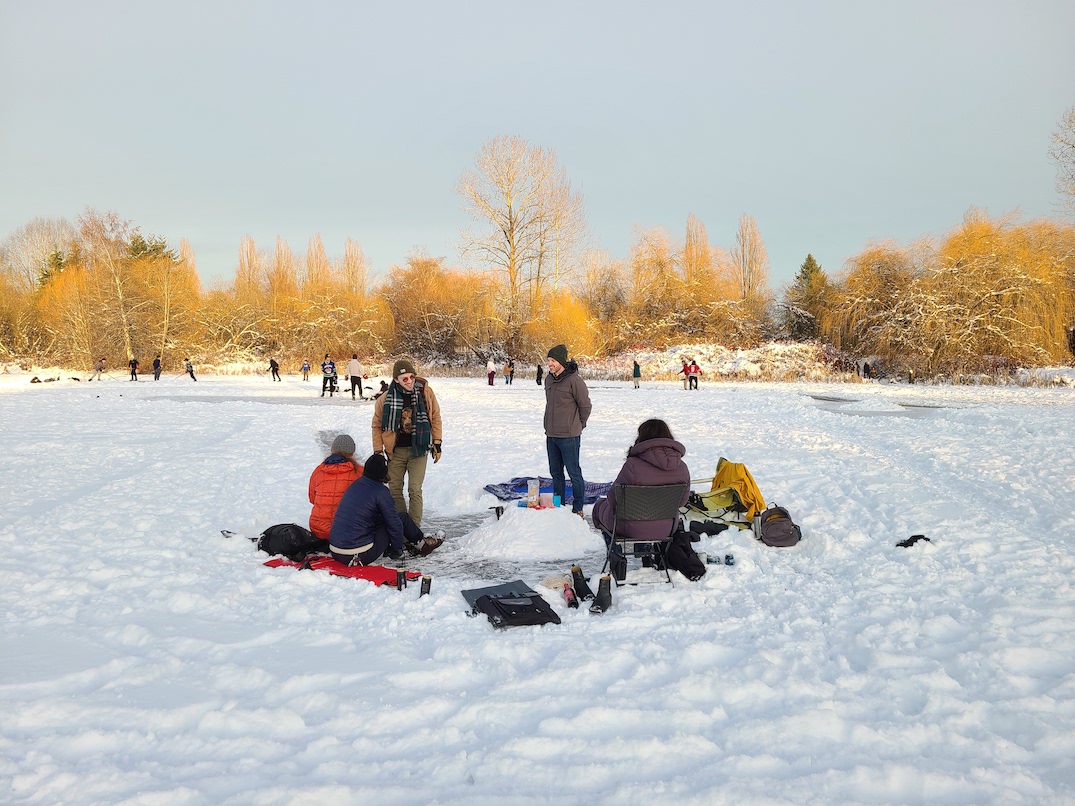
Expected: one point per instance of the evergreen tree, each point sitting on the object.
(806, 301)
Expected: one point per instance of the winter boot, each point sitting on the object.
(582, 587)
(603, 600)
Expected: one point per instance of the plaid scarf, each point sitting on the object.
(392, 415)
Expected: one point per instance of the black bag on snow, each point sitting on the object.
(777, 528)
(680, 556)
(515, 610)
(291, 540)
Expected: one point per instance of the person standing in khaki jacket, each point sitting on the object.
(407, 429)
(567, 408)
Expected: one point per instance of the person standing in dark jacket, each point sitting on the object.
(274, 368)
(328, 376)
(190, 368)
(133, 365)
(157, 368)
(567, 408)
(636, 373)
(540, 373)
(366, 524)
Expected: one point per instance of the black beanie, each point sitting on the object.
(376, 468)
(559, 353)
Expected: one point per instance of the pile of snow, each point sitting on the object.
(773, 361)
(541, 534)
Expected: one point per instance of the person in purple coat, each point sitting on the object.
(655, 458)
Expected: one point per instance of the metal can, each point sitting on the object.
(427, 583)
(401, 579)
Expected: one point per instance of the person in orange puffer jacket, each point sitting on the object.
(330, 481)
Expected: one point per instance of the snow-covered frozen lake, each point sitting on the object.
(146, 659)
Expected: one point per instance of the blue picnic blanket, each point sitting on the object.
(516, 488)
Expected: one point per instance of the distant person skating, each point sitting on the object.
(190, 368)
(354, 373)
(306, 370)
(507, 374)
(686, 372)
(328, 376)
(330, 481)
(274, 368)
(693, 372)
(511, 370)
(407, 427)
(540, 373)
(567, 408)
(490, 370)
(636, 374)
(133, 366)
(98, 368)
(157, 368)
(866, 370)
(367, 525)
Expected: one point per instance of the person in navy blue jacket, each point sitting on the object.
(367, 525)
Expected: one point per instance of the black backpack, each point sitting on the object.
(776, 528)
(291, 540)
(680, 556)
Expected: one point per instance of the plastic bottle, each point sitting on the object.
(570, 597)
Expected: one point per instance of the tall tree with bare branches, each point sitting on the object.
(1063, 154)
(530, 222)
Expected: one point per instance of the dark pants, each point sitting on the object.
(190, 372)
(276, 375)
(692, 381)
(564, 452)
(411, 534)
(157, 374)
(356, 383)
(328, 383)
(134, 375)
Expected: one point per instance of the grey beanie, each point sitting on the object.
(559, 352)
(343, 444)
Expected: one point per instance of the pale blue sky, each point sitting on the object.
(833, 124)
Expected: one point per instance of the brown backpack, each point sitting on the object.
(774, 527)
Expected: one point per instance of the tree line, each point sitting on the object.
(991, 293)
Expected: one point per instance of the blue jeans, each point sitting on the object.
(564, 452)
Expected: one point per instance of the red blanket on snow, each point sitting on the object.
(377, 574)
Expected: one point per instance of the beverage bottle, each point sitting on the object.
(427, 583)
(570, 597)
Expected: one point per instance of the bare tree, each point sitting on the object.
(532, 221)
(750, 262)
(34, 250)
(354, 268)
(1063, 154)
(318, 270)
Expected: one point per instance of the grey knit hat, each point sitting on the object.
(343, 444)
(559, 353)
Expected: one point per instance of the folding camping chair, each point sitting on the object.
(658, 502)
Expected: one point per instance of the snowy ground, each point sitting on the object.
(146, 659)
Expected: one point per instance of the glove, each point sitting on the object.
(394, 554)
(436, 451)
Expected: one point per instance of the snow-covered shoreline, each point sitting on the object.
(148, 659)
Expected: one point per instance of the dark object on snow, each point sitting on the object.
(729, 559)
(706, 528)
(582, 587)
(513, 604)
(776, 528)
(906, 544)
(291, 540)
(680, 556)
(603, 601)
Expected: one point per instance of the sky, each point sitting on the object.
(832, 124)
